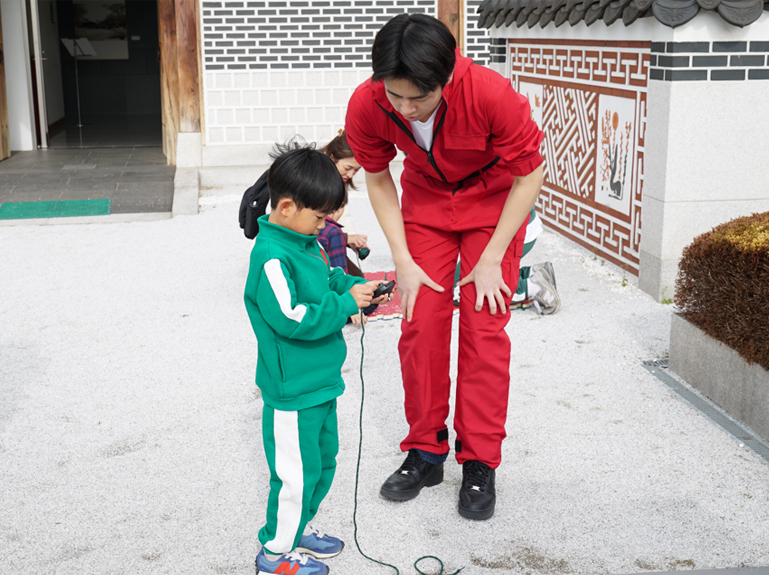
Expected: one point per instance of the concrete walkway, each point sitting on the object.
(130, 424)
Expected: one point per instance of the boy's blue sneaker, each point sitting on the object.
(319, 545)
(293, 563)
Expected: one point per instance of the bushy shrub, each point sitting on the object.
(723, 285)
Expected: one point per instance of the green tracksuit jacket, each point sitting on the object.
(297, 305)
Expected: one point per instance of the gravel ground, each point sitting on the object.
(130, 423)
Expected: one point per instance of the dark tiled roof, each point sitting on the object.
(670, 12)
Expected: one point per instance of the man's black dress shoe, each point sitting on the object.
(411, 477)
(477, 495)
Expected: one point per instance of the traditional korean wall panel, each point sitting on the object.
(276, 68)
(590, 100)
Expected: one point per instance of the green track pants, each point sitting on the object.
(301, 448)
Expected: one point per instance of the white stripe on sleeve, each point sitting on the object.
(279, 287)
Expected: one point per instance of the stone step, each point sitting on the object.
(214, 178)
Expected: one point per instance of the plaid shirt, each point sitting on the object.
(333, 241)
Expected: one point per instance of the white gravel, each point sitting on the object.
(130, 423)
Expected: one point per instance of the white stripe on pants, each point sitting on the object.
(288, 466)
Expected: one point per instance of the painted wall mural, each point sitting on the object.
(589, 98)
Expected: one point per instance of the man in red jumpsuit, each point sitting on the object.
(471, 176)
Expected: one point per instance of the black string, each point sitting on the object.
(357, 467)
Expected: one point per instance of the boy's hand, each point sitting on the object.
(363, 292)
(382, 298)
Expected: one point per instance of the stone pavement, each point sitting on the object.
(123, 180)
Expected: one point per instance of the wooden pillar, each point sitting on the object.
(180, 78)
(451, 13)
(169, 77)
(5, 132)
(187, 56)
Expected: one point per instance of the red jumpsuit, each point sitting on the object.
(453, 195)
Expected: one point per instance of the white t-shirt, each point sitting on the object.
(423, 131)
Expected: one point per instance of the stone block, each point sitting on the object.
(305, 97)
(270, 134)
(286, 97)
(215, 135)
(186, 192)
(296, 79)
(296, 115)
(242, 80)
(232, 98)
(224, 80)
(214, 98)
(269, 97)
(721, 374)
(252, 134)
(243, 116)
(225, 116)
(188, 149)
(234, 134)
(656, 276)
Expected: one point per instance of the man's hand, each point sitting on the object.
(489, 285)
(410, 278)
(357, 241)
(363, 292)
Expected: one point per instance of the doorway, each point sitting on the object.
(100, 73)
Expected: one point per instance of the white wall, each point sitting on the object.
(247, 112)
(17, 80)
(707, 157)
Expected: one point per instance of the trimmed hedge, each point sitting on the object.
(723, 285)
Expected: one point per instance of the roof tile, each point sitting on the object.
(671, 13)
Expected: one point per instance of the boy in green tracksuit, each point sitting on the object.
(298, 305)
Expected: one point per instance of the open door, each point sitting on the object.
(5, 134)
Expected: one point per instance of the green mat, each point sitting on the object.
(60, 209)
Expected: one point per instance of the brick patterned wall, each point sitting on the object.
(478, 45)
(259, 35)
(276, 69)
(590, 100)
(713, 61)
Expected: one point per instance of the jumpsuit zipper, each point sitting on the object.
(430, 158)
(405, 129)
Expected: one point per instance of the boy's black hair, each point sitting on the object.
(414, 47)
(305, 175)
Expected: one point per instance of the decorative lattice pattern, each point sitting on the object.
(570, 140)
(590, 100)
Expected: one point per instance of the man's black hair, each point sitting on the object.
(414, 47)
(305, 175)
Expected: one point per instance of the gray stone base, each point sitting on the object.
(186, 192)
(720, 373)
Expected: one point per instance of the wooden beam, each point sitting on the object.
(451, 13)
(5, 132)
